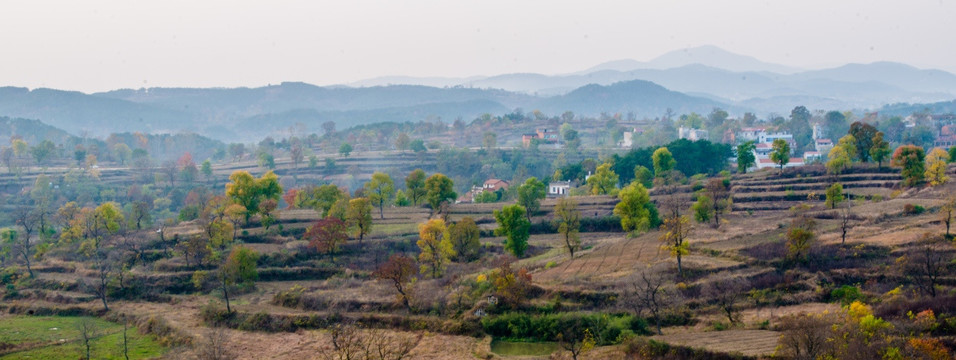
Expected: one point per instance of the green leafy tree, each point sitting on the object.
(838, 160)
(568, 217)
(799, 126)
(800, 236)
(834, 195)
(418, 146)
(603, 181)
(880, 150)
(359, 216)
(486, 197)
(123, 153)
(863, 134)
(380, 191)
(266, 160)
(836, 124)
(206, 169)
(530, 194)
(439, 189)
(465, 239)
(239, 268)
(644, 176)
(745, 157)
(345, 149)
(43, 151)
(513, 225)
(911, 159)
(415, 183)
(780, 154)
(248, 191)
(435, 245)
(703, 208)
(663, 161)
(633, 208)
(321, 198)
(401, 199)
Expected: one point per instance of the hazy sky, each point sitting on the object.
(100, 45)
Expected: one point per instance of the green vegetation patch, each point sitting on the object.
(607, 329)
(57, 337)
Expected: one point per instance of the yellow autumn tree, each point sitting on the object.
(435, 245)
(936, 166)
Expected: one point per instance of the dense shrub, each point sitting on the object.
(846, 294)
(910, 209)
(216, 316)
(588, 224)
(608, 329)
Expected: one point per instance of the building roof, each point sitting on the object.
(496, 183)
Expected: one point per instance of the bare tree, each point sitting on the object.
(88, 331)
(649, 295)
(576, 338)
(215, 345)
(351, 342)
(925, 264)
(805, 336)
(27, 220)
(104, 267)
(346, 343)
(719, 194)
(946, 212)
(726, 293)
(845, 224)
(126, 339)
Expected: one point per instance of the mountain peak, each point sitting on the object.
(716, 57)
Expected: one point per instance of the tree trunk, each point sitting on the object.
(26, 258)
(225, 294)
(680, 270)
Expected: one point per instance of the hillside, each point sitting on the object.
(644, 98)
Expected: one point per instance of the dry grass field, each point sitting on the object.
(746, 245)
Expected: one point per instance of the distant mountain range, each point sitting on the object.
(694, 79)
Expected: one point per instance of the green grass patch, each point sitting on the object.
(58, 337)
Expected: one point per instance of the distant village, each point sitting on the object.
(762, 137)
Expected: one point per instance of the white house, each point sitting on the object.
(692, 134)
(766, 137)
(559, 188)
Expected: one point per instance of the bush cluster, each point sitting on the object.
(607, 329)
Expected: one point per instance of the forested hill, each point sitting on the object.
(638, 96)
(248, 114)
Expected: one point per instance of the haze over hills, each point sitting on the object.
(711, 72)
(696, 79)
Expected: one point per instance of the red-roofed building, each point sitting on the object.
(494, 185)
